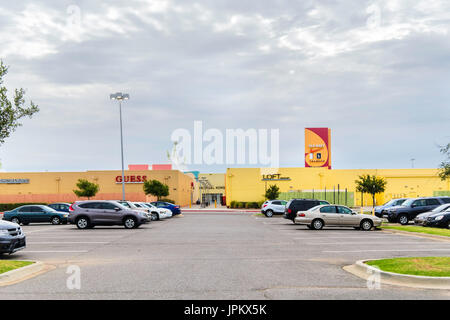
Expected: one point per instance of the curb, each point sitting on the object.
(24, 273)
(362, 270)
(417, 234)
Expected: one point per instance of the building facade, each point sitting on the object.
(47, 187)
(336, 186)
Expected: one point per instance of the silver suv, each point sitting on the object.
(87, 214)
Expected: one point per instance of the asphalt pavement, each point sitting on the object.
(227, 255)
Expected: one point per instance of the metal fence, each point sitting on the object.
(335, 196)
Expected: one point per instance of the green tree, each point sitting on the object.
(86, 188)
(370, 184)
(272, 192)
(444, 167)
(156, 188)
(11, 111)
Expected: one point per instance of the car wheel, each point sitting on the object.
(403, 219)
(448, 225)
(317, 224)
(82, 223)
(130, 223)
(55, 220)
(154, 216)
(366, 225)
(269, 213)
(15, 220)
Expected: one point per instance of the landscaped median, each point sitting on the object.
(16, 271)
(417, 272)
(418, 229)
(7, 265)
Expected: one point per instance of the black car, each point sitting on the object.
(413, 207)
(295, 205)
(439, 220)
(12, 238)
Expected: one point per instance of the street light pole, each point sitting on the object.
(121, 97)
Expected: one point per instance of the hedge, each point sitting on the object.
(246, 205)
(11, 206)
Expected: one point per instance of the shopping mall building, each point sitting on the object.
(315, 180)
(47, 187)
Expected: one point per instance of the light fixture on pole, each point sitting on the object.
(119, 96)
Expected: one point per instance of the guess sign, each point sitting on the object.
(131, 179)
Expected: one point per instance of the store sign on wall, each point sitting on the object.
(131, 179)
(14, 181)
(274, 177)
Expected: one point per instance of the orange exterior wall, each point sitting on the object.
(47, 187)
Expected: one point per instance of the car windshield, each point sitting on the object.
(408, 202)
(389, 202)
(441, 208)
(49, 209)
(125, 204)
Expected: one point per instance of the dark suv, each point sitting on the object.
(295, 205)
(413, 207)
(87, 214)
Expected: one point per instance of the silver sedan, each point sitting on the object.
(337, 216)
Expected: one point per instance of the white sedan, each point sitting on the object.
(157, 213)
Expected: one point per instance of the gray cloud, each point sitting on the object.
(376, 72)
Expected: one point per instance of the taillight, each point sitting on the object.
(289, 211)
(71, 207)
(264, 205)
(300, 214)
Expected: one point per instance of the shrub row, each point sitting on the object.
(246, 205)
(10, 206)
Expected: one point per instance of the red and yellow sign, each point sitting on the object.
(317, 147)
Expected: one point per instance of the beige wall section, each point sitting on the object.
(59, 186)
(212, 182)
(245, 184)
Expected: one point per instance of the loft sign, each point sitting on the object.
(14, 181)
(274, 177)
(131, 179)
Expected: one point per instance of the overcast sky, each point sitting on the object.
(376, 72)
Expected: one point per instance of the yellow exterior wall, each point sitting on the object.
(59, 186)
(245, 184)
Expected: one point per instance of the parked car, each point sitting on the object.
(60, 206)
(35, 213)
(158, 213)
(422, 218)
(12, 238)
(439, 220)
(411, 208)
(135, 207)
(336, 215)
(295, 205)
(87, 214)
(167, 205)
(380, 211)
(271, 207)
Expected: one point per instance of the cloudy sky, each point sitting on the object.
(375, 72)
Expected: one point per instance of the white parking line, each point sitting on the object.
(60, 242)
(56, 251)
(386, 250)
(343, 238)
(373, 243)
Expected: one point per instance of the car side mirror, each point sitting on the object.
(353, 212)
(117, 209)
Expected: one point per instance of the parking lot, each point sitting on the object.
(214, 256)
